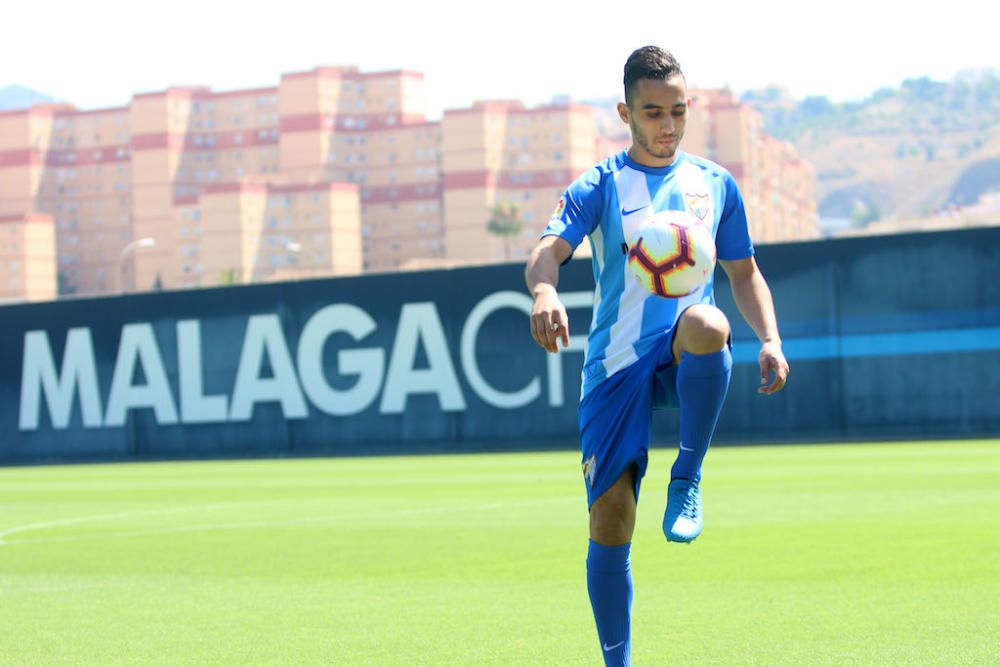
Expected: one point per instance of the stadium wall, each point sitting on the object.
(888, 337)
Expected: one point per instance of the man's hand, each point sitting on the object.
(549, 322)
(771, 359)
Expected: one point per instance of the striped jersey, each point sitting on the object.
(612, 199)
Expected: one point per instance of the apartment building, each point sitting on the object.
(27, 258)
(778, 187)
(334, 171)
(500, 153)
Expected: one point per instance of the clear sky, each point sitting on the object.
(98, 53)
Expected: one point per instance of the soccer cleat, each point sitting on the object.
(682, 520)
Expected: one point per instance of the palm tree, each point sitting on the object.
(506, 222)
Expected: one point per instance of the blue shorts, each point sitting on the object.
(616, 418)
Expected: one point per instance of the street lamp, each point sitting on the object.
(144, 242)
(295, 248)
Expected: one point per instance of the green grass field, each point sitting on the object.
(883, 554)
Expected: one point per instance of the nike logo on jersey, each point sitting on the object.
(685, 449)
(624, 212)
(612, 648)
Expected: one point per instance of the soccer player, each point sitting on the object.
(644, 351)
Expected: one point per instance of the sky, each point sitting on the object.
(98, 53)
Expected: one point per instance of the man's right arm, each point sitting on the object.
(549, 322)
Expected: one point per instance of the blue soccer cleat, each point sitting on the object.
(682, 520)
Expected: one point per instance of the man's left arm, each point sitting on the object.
(753, 298)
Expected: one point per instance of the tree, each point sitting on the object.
(506, 222)
(817, 106)
(864, 213)
(64, 286)
(228, 277)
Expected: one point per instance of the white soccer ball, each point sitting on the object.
(672, 253)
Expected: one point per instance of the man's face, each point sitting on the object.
(656, 117)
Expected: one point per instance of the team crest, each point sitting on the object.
(697, 204)
(560, 207)
(590, 469)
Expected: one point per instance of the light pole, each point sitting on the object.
(144, 242)
(295, 248)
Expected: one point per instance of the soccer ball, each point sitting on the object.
(672, 254)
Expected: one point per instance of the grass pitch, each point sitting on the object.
(817, 555)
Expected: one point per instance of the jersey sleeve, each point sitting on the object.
(579, 210)
(732, 241)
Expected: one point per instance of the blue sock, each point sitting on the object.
(609, 582)
(702, 383)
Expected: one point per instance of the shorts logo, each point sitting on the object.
(560, 207)
(590, 469)
(697, 204)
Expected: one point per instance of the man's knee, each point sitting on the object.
(702, 329)
(612, 516)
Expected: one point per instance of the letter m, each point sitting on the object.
(78, 375)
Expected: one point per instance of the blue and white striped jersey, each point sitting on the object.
(609, 201)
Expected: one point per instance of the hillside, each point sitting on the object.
(19, 97)
(902, 152)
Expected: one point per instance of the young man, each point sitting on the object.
(645, 352)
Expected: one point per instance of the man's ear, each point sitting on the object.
(623, 112)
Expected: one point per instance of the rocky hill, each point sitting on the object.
(902, 152)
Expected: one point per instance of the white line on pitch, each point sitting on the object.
(116, 515)
(253, 524)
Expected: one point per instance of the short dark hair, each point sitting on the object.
(649, 62)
